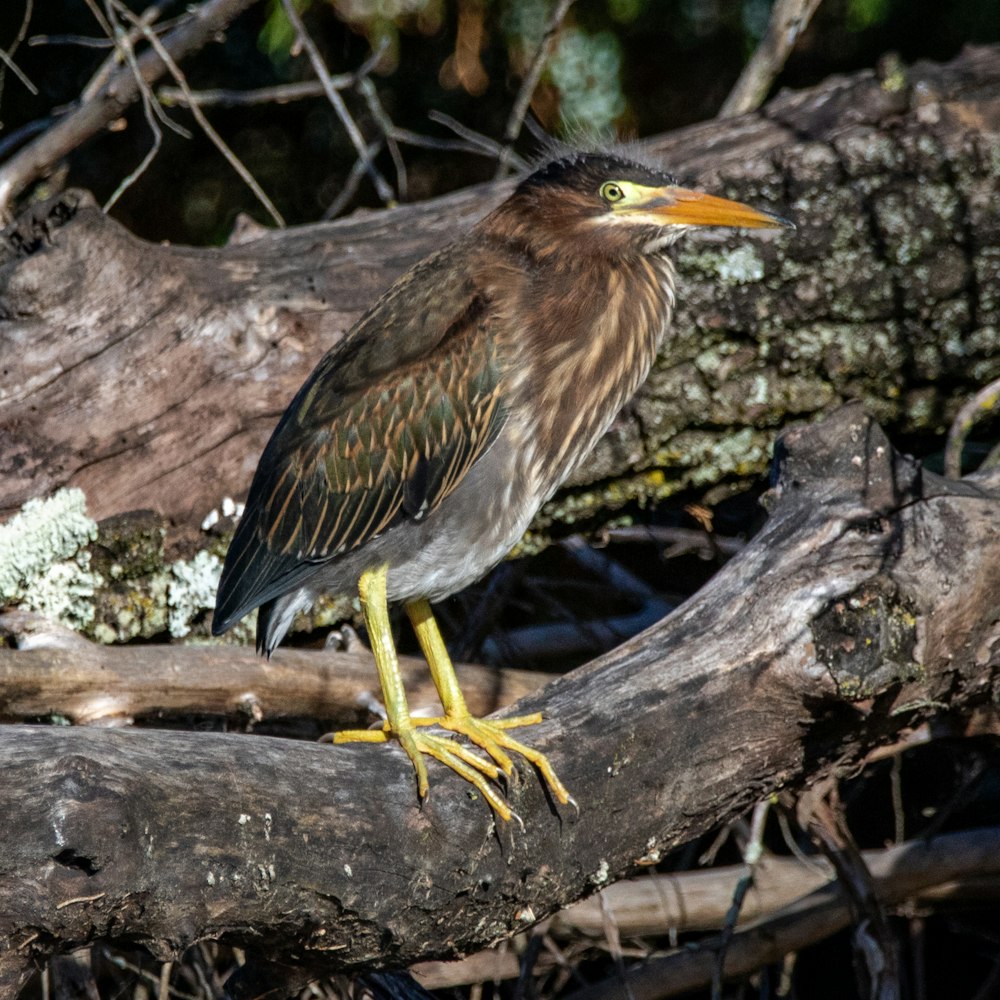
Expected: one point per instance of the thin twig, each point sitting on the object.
(278, 94)
(350, 188)
(367, 90)
(382, 187)
(115, 60)
(7, 56)
(282, 93)
(984, 402)
(752, 854)
(530, 82)
(80, 41)
(231, 158)
(787, 21)
(90, 116)
(476, 142)
(124, 43)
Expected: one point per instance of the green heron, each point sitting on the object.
(416, 454)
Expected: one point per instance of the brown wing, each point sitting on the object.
(349, 461)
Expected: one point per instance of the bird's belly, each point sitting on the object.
(468, 535)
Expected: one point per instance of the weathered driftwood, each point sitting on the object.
(866, 604)
(58, 672)
(789, 906)
(903, 872)
(151, 375)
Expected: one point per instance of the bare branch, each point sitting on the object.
(367, 90)
(527, 90)
(351, 184)
(787, 21)
(124, 44)
(382, 187)
(58, 672)
(7, 57)
(934, 868)
(283, 93)
(475, 142)
(983, 403)
(231, 158)
(111, 99)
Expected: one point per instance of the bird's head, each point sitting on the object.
(611, 204)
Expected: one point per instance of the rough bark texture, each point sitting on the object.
(151, 375)
(868, 602)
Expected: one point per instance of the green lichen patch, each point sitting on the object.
(705, 457)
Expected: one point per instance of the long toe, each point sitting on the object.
(492, 737)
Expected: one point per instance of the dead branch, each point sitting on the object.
(121, 89)
(788, 19)
(931, 868)
(59, 673)
(865, 605)
(784, 891)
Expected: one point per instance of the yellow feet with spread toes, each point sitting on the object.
(488, 735)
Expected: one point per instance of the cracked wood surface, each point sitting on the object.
(151, 375)
(321, 855)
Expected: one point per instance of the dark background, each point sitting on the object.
(653, 65)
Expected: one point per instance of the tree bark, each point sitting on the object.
(867, 604)
(151, 375)
(59, 672)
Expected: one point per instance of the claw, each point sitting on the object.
(490, 736)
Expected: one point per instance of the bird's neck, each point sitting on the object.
(593, 337)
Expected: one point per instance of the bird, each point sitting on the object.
(416, 454)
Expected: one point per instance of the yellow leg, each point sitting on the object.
(489, 735)
(399, 724)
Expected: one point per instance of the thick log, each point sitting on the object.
(865, 605)
(151, 375)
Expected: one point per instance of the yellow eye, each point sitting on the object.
(612, 192)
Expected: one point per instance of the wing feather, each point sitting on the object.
(347, 462)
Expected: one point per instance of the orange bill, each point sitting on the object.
(684, 207)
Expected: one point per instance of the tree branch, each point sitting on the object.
(865, 604)
(112, 99)
(58, 672)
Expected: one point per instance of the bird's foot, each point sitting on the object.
(490, 735)
(460, 759)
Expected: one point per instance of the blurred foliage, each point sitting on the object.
(633, 66)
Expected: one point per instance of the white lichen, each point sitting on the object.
(64, 592)
(44, 533)
(741, 266)
(191, 590)
(44, 565)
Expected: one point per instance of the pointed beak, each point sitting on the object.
(679, 206)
